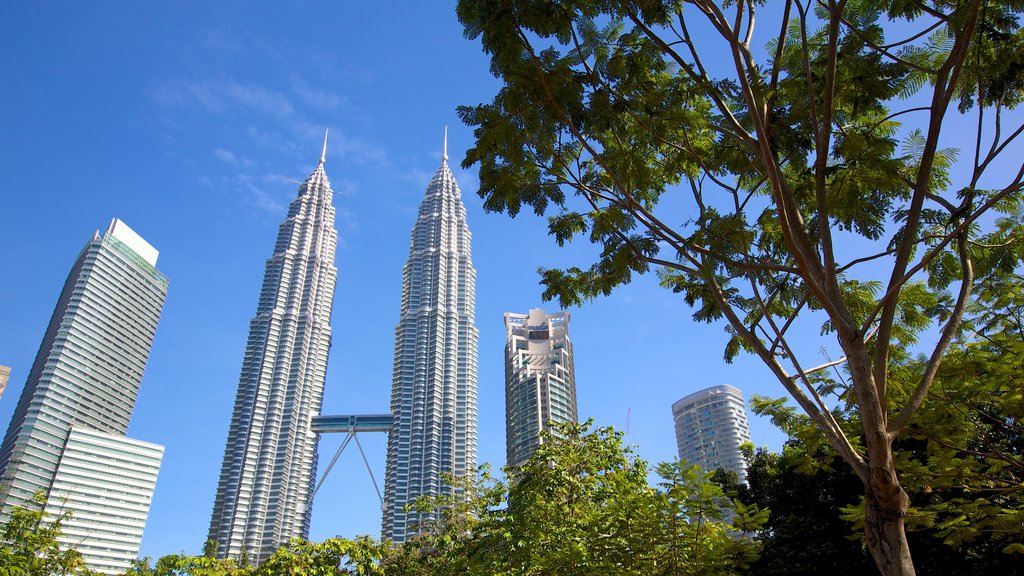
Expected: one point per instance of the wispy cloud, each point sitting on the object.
(259, 197)
(418, 176)
(230, 158)
(225, 96)
(275, 120)
(316, 98)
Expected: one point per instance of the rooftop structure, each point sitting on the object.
(540, 379)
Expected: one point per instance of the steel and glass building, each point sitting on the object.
(540, 380)
(711, 424)
(86, 374)
(434, 386)
(106, 482)
(264, 495)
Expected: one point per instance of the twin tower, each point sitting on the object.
(265, 491)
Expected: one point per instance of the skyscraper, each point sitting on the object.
(710, 426)
(266, 481)
(433, 390)
(540, 380)
(106, 482)
(87, 372)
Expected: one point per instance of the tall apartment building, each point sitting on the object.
(86, 377)
(265, 491)
(434, 387)
(540, 380)
(711, 424)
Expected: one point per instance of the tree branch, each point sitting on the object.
(966, 283)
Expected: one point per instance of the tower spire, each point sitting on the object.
(444, 150)
(323, 154)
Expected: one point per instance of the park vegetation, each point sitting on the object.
(837, 182)
(847, 184)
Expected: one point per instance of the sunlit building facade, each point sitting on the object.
(540, 380)
(711, 425)
(264, 494)
(106, 482)
(86, 377)
(434, 387)
(5, 375)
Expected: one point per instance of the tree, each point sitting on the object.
(582, 505)
(805, 534)
(820, 196)
(29, 547)
(332, 557)
(705, 532)
(963, 452)
(186, 565)
(814, 528)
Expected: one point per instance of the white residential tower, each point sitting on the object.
(711, 424)
(540, 379)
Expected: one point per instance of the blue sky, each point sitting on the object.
(193, 124)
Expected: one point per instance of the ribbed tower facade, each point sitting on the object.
(540, 380)
(266, 483)
(711, 425)
(434, 388)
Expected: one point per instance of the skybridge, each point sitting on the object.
(351, 425)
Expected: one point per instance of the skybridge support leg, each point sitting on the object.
(341, 448)
(368, 469)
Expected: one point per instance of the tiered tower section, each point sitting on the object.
(266, 482)
(434, 388)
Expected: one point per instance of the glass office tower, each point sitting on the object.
(89, 366)
(66, 439)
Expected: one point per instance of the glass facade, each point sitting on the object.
(434, 387)
(89, 366)
(265, 490)
(540, 380)
(84, 381)
(107, 484)
(710, 427)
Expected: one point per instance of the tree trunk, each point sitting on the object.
(886, 507)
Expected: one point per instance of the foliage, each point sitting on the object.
(792, 192)
(186, 565)
(332, 557)
(29, 547)
(582, 505)
(806, 534)
(963, 453)
(813, 496)
(962, 457)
